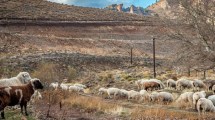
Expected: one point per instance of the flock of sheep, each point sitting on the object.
(148, 93)
(19, 90)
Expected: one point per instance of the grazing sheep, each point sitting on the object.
(36, 96)
(102, 91)
(124, 93)
(198, 84)
(197, 96)
(205, 105)
(153, 96)
(21, 78)
(114, 92)
(162, 86)
(144, 95)
(80, 85)
(183, 83)
(64, 86)
(212, 98)
(186, 97)
(76, 89)
(151, 85)
(213, 89)
(133, 95)
(171, 83)
(209, 84)
(14, 95)
(54, 85)
(139, 83)
(165, 97)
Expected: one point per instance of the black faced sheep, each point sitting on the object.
(18, 95)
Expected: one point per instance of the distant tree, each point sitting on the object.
(194, 28)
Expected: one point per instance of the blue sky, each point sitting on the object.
(104, 3)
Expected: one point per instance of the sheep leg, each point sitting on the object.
(21, 105)
(2, 114)
(25, 106)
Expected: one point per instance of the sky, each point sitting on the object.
(105, 3)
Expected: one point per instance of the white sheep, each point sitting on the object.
(54, 85)
(133, 95)
(183, 83)
(197, 96)
(64, 86)
(213, 89)
(171, 83)
(124, 93)
(76, 88)
(102, 91)
(212, 98)
(36, 96)
(205, 105)
(114, 92)
(144, 95)
(165, 97)
(21, 78)
(198, 84)
(153, 96)
(80, 85)
(140, 82)
(186, 97)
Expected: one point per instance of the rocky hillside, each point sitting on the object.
(132, 9)
(40, 9)
(165, 8)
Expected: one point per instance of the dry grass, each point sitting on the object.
(161, 114)
(93, 104)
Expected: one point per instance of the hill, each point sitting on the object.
(40, 9)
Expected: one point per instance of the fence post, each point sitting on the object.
(131, 55)
(154, 58)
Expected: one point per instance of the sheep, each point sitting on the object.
(186, 97)
(144, 95)
(162, 86)
(153, 96)
(213, 89)
(151, 85)
(182, 83)
(36, 96)
(197, 96)
(21, 78)
(64, 86)
(110, 91)
(209, 84)
(54, 85)
(80, 85)
(133, 95)
(102, 91)
(124, 93)
(205, 105)
(114, 92)
(139, 83)
(76, 88)
(171, 83)
(14, 95)
(165, 97)
(212, 98)
(198, 84)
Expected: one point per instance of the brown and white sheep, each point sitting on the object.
(18, 95)
(151, 85)
(209, 84)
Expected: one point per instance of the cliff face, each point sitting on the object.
(132, 9)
